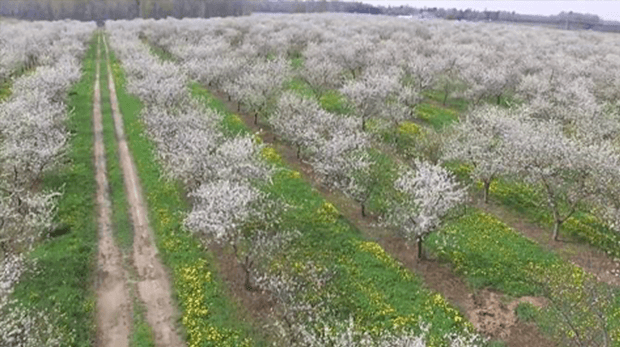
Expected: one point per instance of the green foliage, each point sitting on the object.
(527, 312)
(334, 102)
(297, 62)
(437, 96)
(382, 174)
(5, 89)
(300, 87)
(161, 53)
(66, 263)
(207, 313)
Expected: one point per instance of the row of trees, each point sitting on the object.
(231, 209)
(337, 147)
(555, 126)
(23, 46)
(33, 140)
(498, 142)
(100, 11)
(383, 70)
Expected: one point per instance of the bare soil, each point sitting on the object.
(605, 268)
(114, 309)
(153, 282)
(491, 313)
(257, 306)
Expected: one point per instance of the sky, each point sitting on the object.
(606, 10)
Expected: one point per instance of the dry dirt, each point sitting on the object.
(491, 313)
(113, 304)
(153, 282)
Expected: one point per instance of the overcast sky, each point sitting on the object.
(609, 10)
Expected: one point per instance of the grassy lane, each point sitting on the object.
(209, 316)
(141, 335)
(66, 263)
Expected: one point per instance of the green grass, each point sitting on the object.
(209, 316)
(489, 253)
(6, 86)
(66, 264)
(527, 312)
(455, 104)
(123, 230)
(160, 52)
(142, 334)
(333, 101)
(436, 116)
(5, 89)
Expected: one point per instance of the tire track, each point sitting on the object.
(113, 303)
(153, 284)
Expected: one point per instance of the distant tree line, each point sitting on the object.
(101, 10)
(125, 9)
(291, 6)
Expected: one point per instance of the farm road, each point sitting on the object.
(153, 284)
(113, 304)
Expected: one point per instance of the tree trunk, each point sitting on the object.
(363, 209)
(487, 185)
(248, 283)
(445, 98)
(229, 98)
(363, 123)
(238, 107)
(298, 150)
(499, 99)
(255, 118)
(556, 229)
(420, 253)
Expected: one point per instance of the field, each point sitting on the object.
(308, 180)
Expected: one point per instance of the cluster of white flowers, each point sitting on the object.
(32, 133)
(32, 141)
(24, 45)
(221, 172)
(324, 333)
(222, 55)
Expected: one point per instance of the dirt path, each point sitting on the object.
(113, 304)
(490, 312)
(153, 283)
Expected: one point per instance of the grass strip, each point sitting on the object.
(208, 314)
(142, 334)
(530, 201)
(66, 263)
